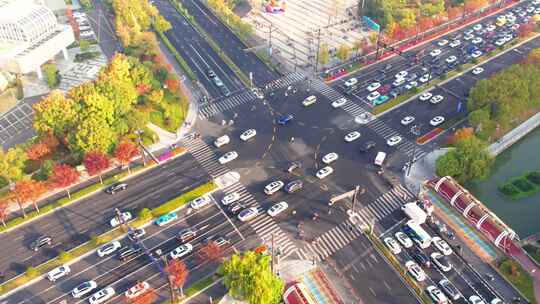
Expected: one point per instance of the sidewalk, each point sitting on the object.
(514, 135)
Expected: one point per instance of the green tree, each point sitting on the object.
(248, 276)
(84, 45)
(54, 114)
(161, 24)
(469, 160)
(343, 52)
(407, 18)
(324, 54)
(12, 164)
(51, 75)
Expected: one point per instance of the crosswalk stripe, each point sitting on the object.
(341, 234)
(339, 242)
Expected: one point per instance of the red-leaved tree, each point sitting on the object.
(125, 152)
(95, 163)
(178, 273)
(172, 85)
(64, 176)
(210, 252)
(4, 205)
(29, 191)
(526, 29)
(37, 151)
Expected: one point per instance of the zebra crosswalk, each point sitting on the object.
(228, 103)
(355, 110)
(263, 225)
(341, 235)
(285, 81)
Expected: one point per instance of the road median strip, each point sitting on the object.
(33, 273)
(181, 61)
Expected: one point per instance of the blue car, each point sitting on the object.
(380, 100)
(166, 218)
(285, 119)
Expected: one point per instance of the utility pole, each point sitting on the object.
(139, 142)
(318, 47)
(120, 218)
(415, 130)
(270, 40)
(172, 292)
(357, 191)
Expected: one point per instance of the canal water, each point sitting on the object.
(522, 215)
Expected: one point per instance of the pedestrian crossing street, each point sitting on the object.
(263, 225)
(354, 109)
(228, 103)
(285, 81)
(341, 235)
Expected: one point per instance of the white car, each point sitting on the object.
(437, 120)
(102, 296)
(477, 27)
(476, 54)
(339, 103)
(441, 261)
(407, 120)
(248, 134)
(451, 59)
(500, 42)
(373, 86)
(273, 187)
(403, 239)
(230, 198)
(468, 37)
(350, 82)
(248, 214)
(477, 40)
(83, 289)
(436, 99)
(392, 245)
(442, 245)
(402, 74)
(394, 140)
(442, 42)
(410, 85)
(425, 96)
(108, 248)
(496, 301)
(415, 271)
(181, 251)
(324, 172)
(352, 136)
(58, 272)
(455, 43)
(491, 28)
(373, 95)
(435, 52)
(425, 78)
(474, 299)
(126, 216)
(277, 208)
(309, 100)
(227, 157)
(329, 158)
(137, 290)
(436, 295)
(199, 202)
(398, 82)
(477, 70)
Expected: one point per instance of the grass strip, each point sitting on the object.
(183, 64)
(65, 257)
(200, 285)
(211, 42)
(521, 280)
(422, 295)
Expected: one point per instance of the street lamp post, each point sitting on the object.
(139, 142)
(415, 130)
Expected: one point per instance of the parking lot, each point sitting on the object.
(14, 122)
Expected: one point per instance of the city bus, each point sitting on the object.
(418, 234)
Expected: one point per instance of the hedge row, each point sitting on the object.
(521, 186)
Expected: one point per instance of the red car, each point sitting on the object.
(383, 90)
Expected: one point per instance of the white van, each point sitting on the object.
(379, 159)
(221, 141)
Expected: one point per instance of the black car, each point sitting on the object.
(116, 188)
(235, 208)
(294, 186)
(211, 73)
(421, 259)
(449, 289)
(367, 146)
(41, 241)
(186, 235)
(126, 253)
(293, 166)
(135, 234)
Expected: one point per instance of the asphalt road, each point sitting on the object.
(197, 52)
(102, 24)
(76, 223)
(109, 271)
(247, 61)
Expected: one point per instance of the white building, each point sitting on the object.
(30, 35)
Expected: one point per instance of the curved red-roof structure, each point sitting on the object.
(296, 293)
(472, 209)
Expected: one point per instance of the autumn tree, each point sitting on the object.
(95, 163)
(54, 114)
(178, 273)
(460, 134)
(29, 191)
(161, 24)
(64, 176)
(37, 151)
(211, 252)
(533, 57)
(526, 29)
(12, 164)
(248, 276)
(324, 54)
(125, 152)
(4, 210)
(343, 52)
(148, 297)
